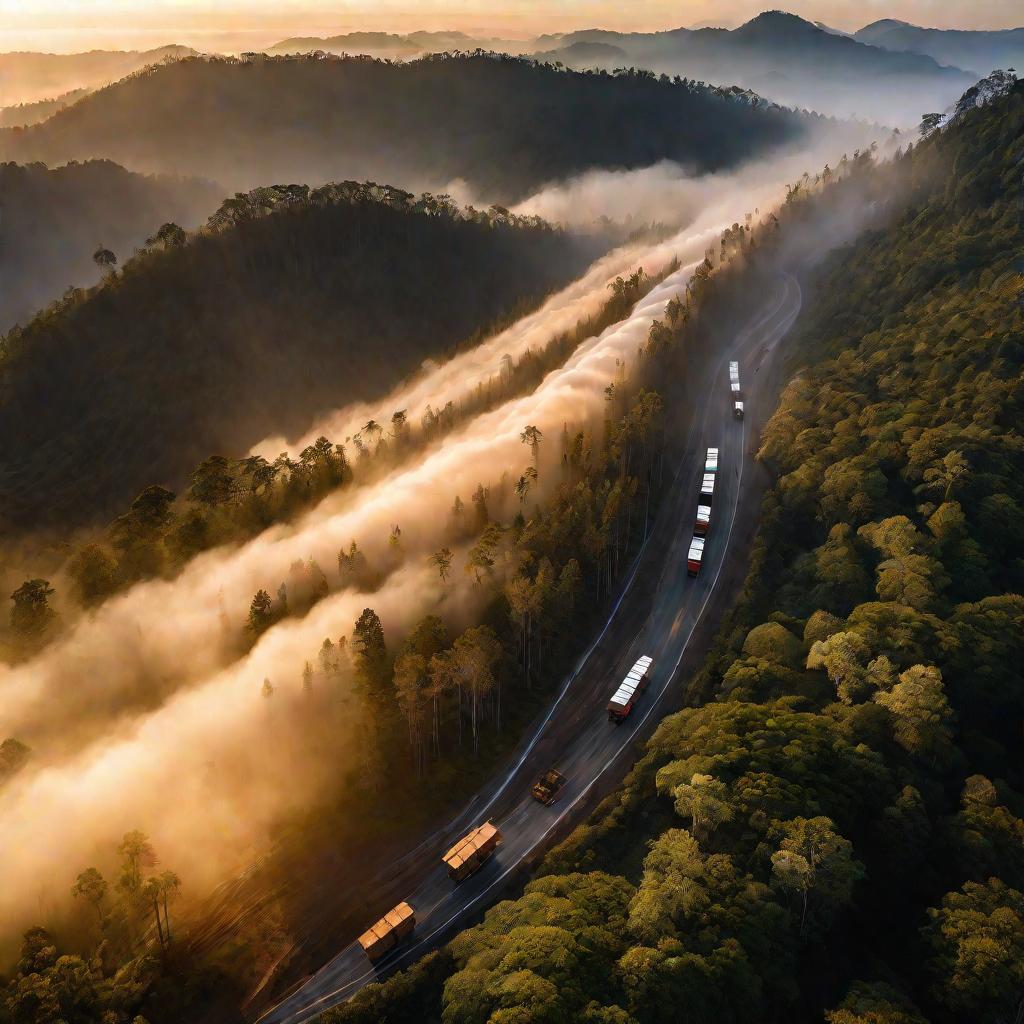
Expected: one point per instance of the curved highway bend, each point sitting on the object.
(575, 735)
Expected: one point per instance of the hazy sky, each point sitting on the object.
(61, 25)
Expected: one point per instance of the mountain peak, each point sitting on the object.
(886, 23)
(776, 22)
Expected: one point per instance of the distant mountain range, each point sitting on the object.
(390, 45)
(978, 52)
(888, 71)
(785, 57)
(23, 114)
(29, 77)
(503, 125)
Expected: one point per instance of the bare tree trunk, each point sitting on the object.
(437, 728)
(156, 914)
(529, 649)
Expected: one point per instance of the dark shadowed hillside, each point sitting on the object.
(53, 221)
(247, 329)
(504, 125)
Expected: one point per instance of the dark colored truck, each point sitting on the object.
(547, 787)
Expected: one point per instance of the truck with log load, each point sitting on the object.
(629, 690)
(471, 852)
(388, 932)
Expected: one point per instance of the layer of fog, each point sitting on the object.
(193, 773)
(668, 193)
(174, 630)
(153, 770)
(664, 193)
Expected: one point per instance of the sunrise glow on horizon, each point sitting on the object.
(67, 25)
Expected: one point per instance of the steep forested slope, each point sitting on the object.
(838, 830)
(503, 124)
(248, 329)
(53, 221)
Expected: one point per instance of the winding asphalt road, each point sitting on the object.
(575, 735)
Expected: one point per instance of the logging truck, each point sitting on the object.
(388, 932)
(472, 851)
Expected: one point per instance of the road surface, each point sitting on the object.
(574, 735)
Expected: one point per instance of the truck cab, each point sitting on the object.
(548, 786)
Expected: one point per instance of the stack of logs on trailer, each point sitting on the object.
(383, 936)
(465, 857)
(470, 852)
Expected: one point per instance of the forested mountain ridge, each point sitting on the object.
(390, 44)
(22, 114)
(792, 61)
(249, 328)
(29, 77)
(54, 219)
(838, 831)
(504, 125)
(972, 50)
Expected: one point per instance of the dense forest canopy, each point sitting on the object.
(53, 220)
(837, 829)
(250, 328)
(504, 125)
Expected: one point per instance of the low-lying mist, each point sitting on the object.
(195, 773)
(145, 716)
